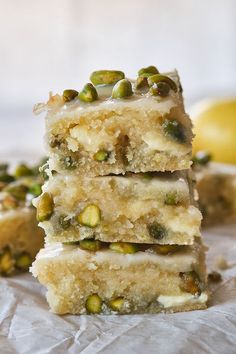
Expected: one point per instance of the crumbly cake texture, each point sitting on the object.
(72, 275)
(216, 185)
(118, 135)
(154, 208)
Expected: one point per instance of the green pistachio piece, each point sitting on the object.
(141, 83)
(17, 191)
(23, 261)
(122, 89)
(190, 283)
(101, 155)
(124, 247)
(90, 216)
(22, 170)
(45, 207)
(93, 304)
(202, 158)
(106, 77)
(174, 130)
(64, 222)
(6, 262)
(156, 230)
(161, 89)
(35, 189)
(6, 178)
(88, 93)
(148, 71)
(117, 304)
(165, 249)
(171, 198)
(155, 79)
(9, 203)
(90, 245)
(69, 95)
(69, 163)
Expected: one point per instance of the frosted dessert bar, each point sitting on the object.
(141, 208)
(127, 126)
(216, 185)
(20, 236)
(79, 281)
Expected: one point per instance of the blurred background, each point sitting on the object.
(52, 45)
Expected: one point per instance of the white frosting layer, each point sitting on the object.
(171, 301)
(182, 261)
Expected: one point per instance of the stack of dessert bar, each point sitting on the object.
(121, 221)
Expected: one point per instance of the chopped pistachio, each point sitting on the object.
(90, 216)
(122, 89)
(190, 283)
(202, 158)
(124, 247)
(93, 304)
(117, 304)
(6, 261)
(106, 77)
(156, 230)
(69, 95)
(35, 189)
(174, 129)
(148, 71)
(9, 202)
(22, 170)
(101, 155)
(6, 178)
(17, 191)
(171, 198)
(90, 245)
(69, 163)
(45, 207)
(165, 249)
(141, 83)
(154, 79)
(64, 222)
(88, 93)
(23, 261)
(161, 89)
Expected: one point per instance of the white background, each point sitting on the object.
(51, 45)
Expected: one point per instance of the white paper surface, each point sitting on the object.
(27, 326)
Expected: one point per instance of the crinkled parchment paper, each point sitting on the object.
(27, 326)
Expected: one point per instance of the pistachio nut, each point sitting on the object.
(122, 89)
(88, 93)
(106, 77)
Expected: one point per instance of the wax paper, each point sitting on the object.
(27, 326)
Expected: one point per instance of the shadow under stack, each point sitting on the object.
(119, 210)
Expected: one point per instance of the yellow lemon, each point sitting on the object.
(215, 129)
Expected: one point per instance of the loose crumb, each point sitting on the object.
(214, 277)
(222, 264)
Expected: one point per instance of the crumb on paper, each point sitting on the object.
(214, 277)
(222, 263)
